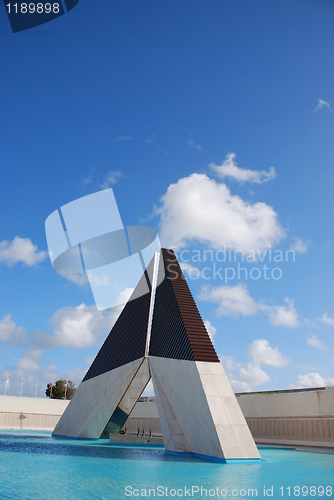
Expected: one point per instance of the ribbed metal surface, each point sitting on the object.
(127, 339)
(168, 334)
(178, 330)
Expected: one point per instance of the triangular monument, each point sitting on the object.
(160, 335)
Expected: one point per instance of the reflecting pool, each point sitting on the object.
(37, 466)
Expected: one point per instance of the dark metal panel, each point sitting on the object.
(168, 334)
(178, 330)
(127, 339)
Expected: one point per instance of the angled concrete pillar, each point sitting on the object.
(118, 374)
(198, 410)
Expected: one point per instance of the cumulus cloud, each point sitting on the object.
(263, 354)
(197, 208)
(313, 379)
(249, 376)
(236, 300)
(232, 300)
(244, 377)
(230, 169)
(189, 270)
(111, 178)
(30, 361)
(10, 333)
(75, 375)
(77, 278)
(285, 316)
(228, 363)
(194, 145)
(327, 320)
(80, 326)
(20, 250)
(323, 104)
(210, 329)
(313, 341)
(124, 296)
(299, 246)
(51, 373)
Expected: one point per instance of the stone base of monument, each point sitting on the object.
(134, 440)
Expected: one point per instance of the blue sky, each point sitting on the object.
(213, 122)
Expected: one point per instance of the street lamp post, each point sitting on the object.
(21, 387)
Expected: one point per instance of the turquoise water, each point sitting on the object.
(37, 466)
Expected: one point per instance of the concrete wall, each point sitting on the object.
(30, 413)
(298, 418)
(144, 416)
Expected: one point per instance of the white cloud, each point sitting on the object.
(89, 360)
(252, 375)
(263, 354)
(236, 300)
(249, 376)
(80, 326)
(156, 145)
(210, 329)
(77, 278)
(10, 333)
(230, 169)
(317, 343)
(321, 104)
(88, 179)
(194, 145)
(75, 375)
(111, 178)
(286, 316)
(189, 270)
(198, 208)
(313, 379)
(30, 361)
(51, 373)
(299, 246)
(228, 363)
(124, 296)
(123, 138)
(232, 300)
(20, 250)
(327, 320)
(310, 323)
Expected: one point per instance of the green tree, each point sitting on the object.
(57, 390)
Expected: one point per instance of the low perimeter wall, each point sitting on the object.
(302, 417)
(30, 413)
(144, 417)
